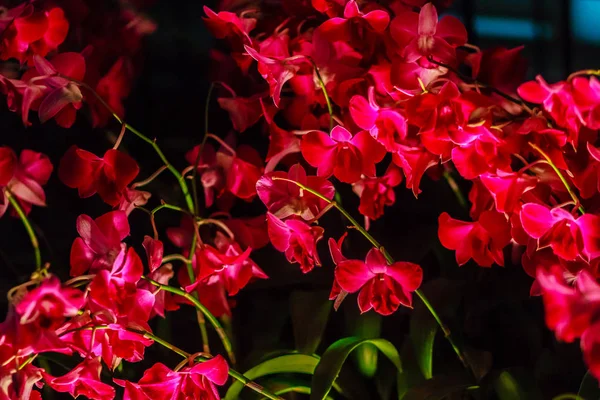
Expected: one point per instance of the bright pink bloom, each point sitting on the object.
(89, 174)
(99, 242)
(285, 199)
(386, 125)
(508, 188)
(83, 380)
(569, 237)
(297, 240)
(227, 25)
(211, 175)
(483, 240)
(116, 289)
(49, 304)
(242, 170)
(382, 286)
(18, 384)
(234, 266)
(422, 35)
(30, 173)
(61, 98)
(570, 310)
(351, 27)
(341, 154)
(113, 343)
(132, 199)
(414, 161)
(281, 144)
(32, 32)
(376, 193)
(197, 382)
(335, 250)
(276, 71)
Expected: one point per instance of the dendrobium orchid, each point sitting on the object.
(383, 287)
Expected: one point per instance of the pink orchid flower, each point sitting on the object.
(341, 154)
(383, 287)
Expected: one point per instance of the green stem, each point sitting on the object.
(34, 241)
(390, 259)
(199, 155)
(325, 93)
(180, 179)
(211, 318)
(454, 186)
(560, 176)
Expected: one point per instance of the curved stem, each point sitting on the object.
(390, 259)
(211, 318)
(150, 178)
(325, 93)
(32, 237)
(180, 179)
(454, 186)
(560, 176)
(199, 155)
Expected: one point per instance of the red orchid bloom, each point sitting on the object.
(376, 193)
(32, 32)
(27, 176)
(198, 382)
(83, 380)
(386, 125)
(281, 144)
(276, 70)
(351, 27)
(227, 25)
(113, 88)
(570, 310)
(422, 35)
(507, 188)
(568, 236)
(46, 90)
(132, 199)
(297, 240)
(16, 384)
(31, 326)
(99, 243)
(285, 199)
(483, 240)
(341, 154)
(117, 291)
(414, 161)
(49, 304)
(113, 343)
(382, 286)
(234, 266)
(335, 250)
(89, 174)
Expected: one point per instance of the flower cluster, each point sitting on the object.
(370, 93)
(363, 93)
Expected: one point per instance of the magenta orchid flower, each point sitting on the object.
(383, 287)
(160, 382)
(284, 199)
(482, 240)
(345, 156)
(99, 242)
(297, 240)
(422, 35)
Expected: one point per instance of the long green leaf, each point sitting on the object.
(291, 363)
(334, 357)
(422, 336)
(507, 387)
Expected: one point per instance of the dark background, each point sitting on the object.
(168, 101)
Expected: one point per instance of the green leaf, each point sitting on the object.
(310, 312)
(588, 389)
(422, 335)
(334, 357)
(364, 326)
(507, 387)
(285, 385)
(438, 388)
(290, 363)
(411, 374)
